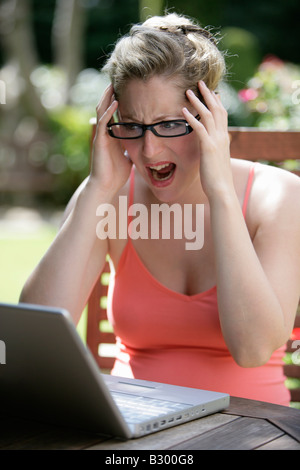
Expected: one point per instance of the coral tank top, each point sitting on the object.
(166, 336)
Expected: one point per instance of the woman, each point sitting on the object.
(213, 318)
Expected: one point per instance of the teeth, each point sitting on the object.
(160, 175)
(159, 167)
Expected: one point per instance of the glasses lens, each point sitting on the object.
(171, 128)
(126, 131)
(174, 128)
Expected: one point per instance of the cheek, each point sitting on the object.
(132, 148)
(188, 149)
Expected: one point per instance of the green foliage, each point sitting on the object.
(272, 95)
(150, 7)
(243, 54)
(292, 383)
(68, 146)
(70, 149)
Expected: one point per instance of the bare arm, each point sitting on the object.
(66, 274)
(258, 282)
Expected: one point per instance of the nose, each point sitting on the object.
(152, 144)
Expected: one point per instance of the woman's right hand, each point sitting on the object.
(110, 168)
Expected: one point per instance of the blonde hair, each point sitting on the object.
(172, 46)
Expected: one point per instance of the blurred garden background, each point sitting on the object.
(51, 53)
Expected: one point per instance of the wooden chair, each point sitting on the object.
(98, 337)
(292, 370)
(273, 147)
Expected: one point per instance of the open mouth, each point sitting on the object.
(162, 172)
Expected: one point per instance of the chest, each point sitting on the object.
(176, 246)
(179, 255)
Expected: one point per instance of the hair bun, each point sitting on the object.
(172, 46)
(186, 29)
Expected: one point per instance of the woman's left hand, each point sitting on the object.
(212, 129)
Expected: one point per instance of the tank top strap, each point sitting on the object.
(131, 194)
(248, 189)
(131, 187)
(246, 198)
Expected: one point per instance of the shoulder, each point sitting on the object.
(271, 186)
(273, 211)
(275, 190)
(274, 195)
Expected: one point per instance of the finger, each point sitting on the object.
(104, 119)
(109, 112)
(106, 100)
(194, 123)
(208, 95)
(204, 112)
(214, 104)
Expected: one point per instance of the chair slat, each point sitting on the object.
(256, 144)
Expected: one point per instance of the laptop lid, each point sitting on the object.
(49, 375)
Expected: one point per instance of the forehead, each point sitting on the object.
(151, 100)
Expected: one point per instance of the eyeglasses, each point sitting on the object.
(131, 130)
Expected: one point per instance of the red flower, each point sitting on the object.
(248, 94)
(295, 334)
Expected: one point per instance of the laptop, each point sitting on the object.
(48, 374)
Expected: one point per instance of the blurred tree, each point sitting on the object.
(150, 8)
(27, 162)
(207, 13)
(107, 20)
(274, 22)
(36, 36)
(19, 47)
(19, 50)
(67, 39)
(244, 55)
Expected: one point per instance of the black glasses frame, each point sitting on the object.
(150, 127)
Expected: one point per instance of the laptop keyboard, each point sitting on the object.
(137, 408)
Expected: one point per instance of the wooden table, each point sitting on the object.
(246, 424)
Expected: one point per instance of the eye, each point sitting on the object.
(170, 125)
(131, 126)
(171, 128)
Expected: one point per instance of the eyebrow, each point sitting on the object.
(160, 118)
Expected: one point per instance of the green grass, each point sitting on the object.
(19, 254)
(18, 257)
